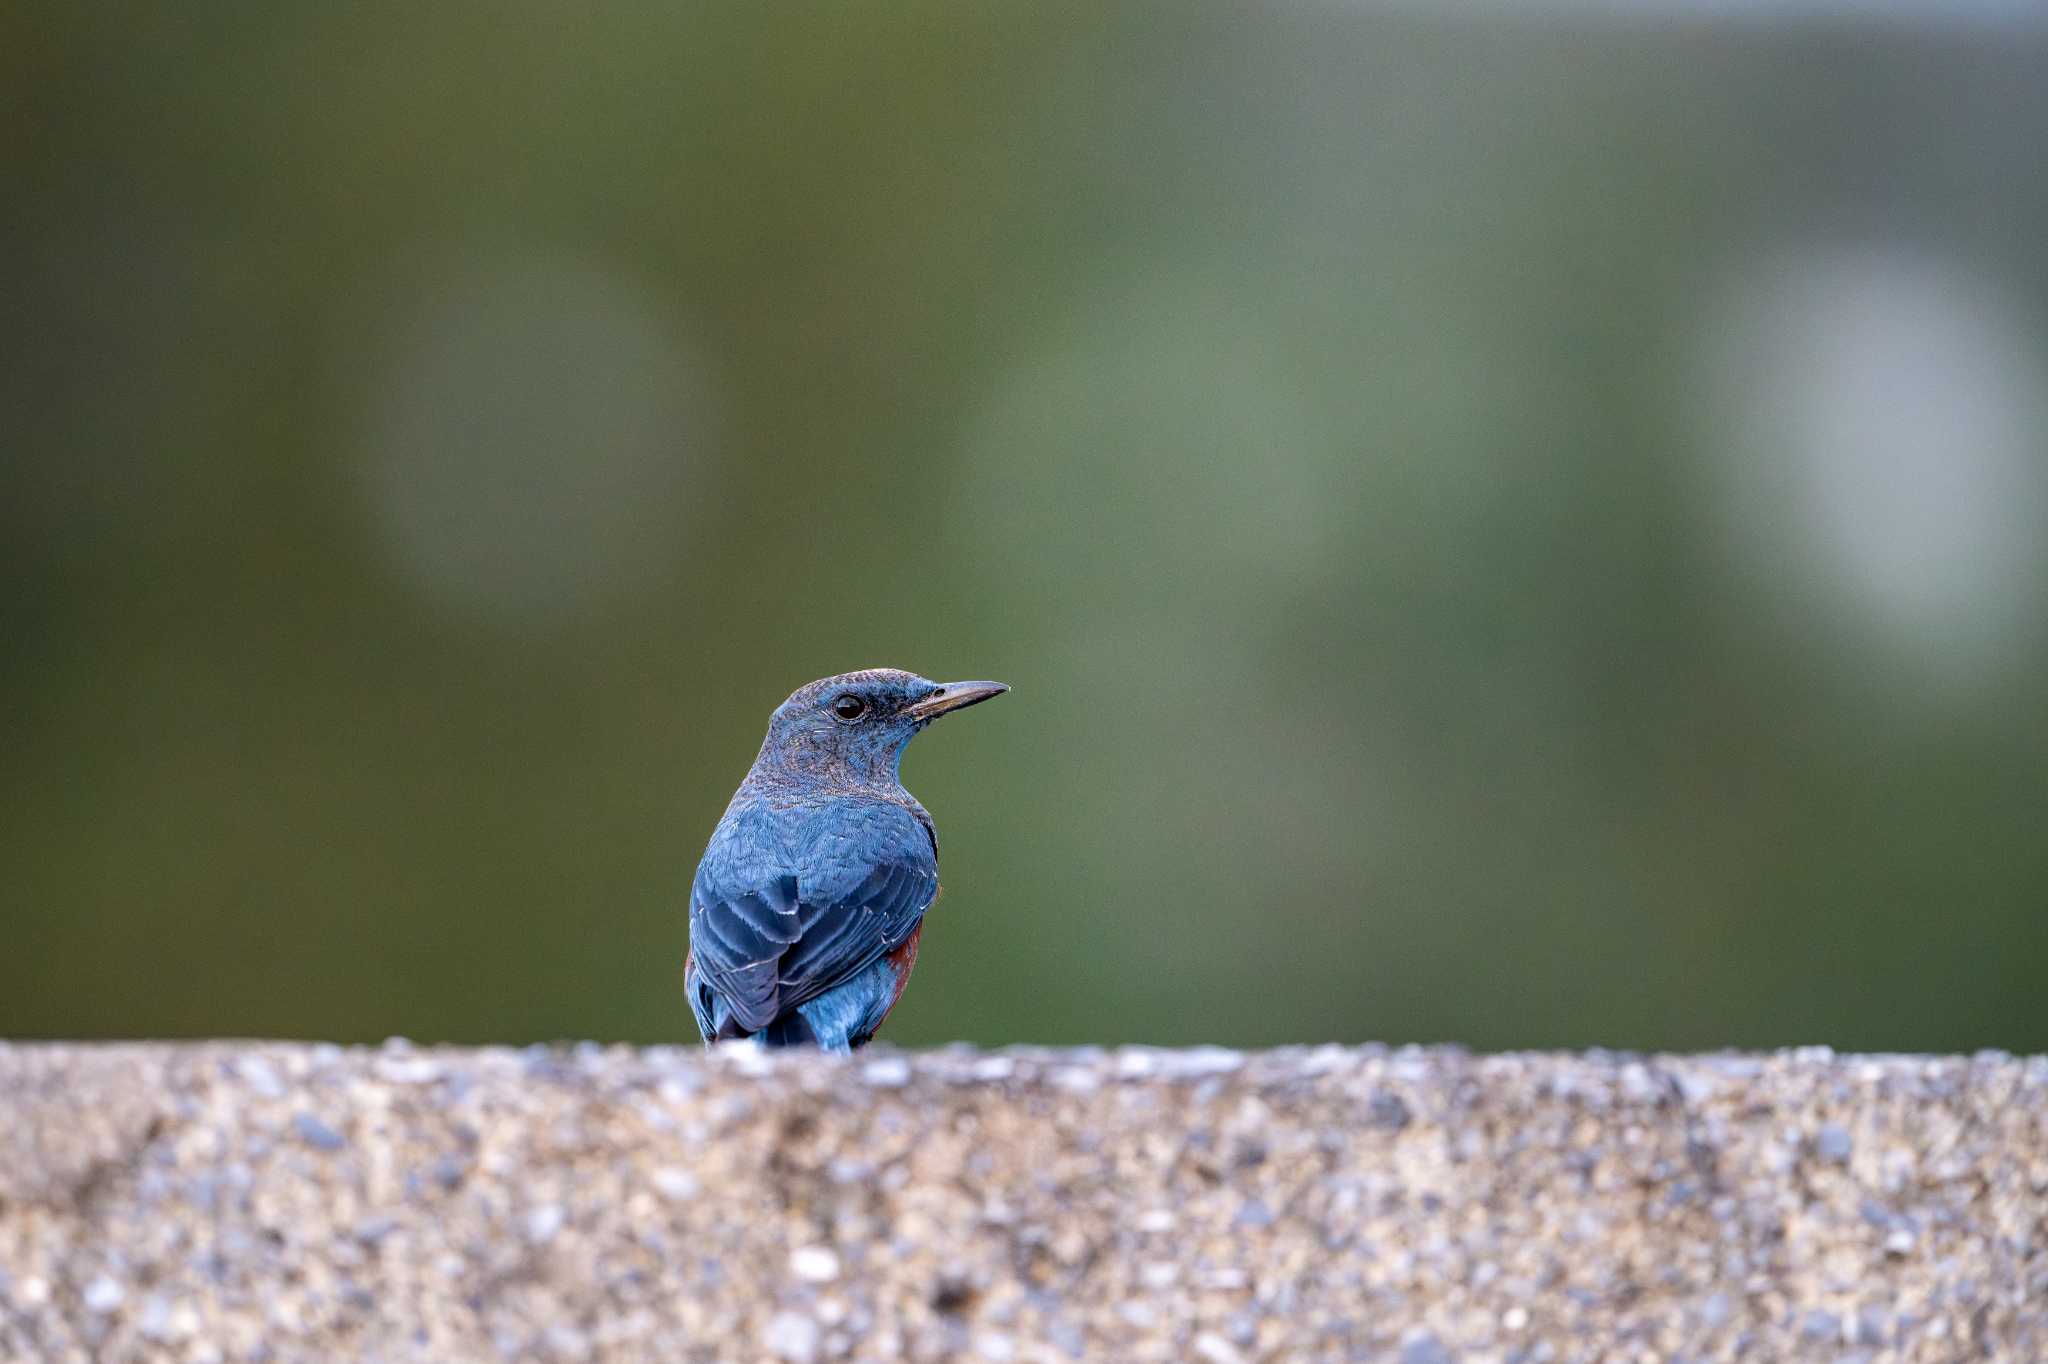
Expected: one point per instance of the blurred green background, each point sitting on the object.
(1518, 525)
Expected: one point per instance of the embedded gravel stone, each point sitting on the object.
(262, 1202)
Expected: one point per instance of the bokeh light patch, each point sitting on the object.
(535, 432)
(1879, 431)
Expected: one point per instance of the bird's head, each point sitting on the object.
(855, 726)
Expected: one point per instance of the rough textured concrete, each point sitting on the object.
(270, 1202)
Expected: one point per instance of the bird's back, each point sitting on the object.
(804, 914)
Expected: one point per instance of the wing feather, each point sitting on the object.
(788, 904)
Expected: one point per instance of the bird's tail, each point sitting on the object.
(790, 1030)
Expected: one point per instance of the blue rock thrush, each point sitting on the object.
(807, 907)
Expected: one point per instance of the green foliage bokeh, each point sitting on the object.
(435, 439)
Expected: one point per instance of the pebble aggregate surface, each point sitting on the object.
(284, 1202)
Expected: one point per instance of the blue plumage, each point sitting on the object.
(807, 905)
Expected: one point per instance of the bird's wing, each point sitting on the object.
(788, 904)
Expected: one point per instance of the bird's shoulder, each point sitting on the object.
(822, 840)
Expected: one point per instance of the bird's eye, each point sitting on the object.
(849, 707)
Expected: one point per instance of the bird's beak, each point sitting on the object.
(954, 696)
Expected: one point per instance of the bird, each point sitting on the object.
(807, 906)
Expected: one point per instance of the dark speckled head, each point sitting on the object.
(850, 731)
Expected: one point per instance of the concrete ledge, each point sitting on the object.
(282, 1202)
